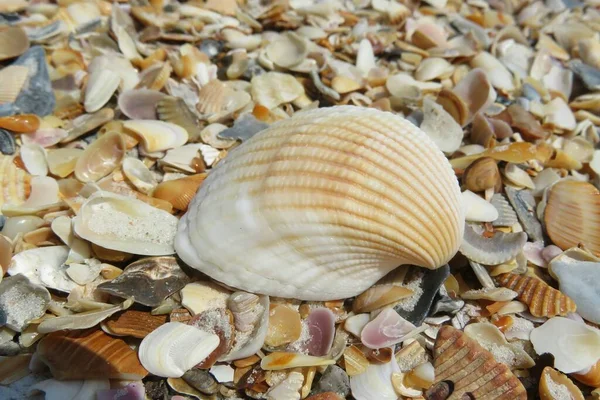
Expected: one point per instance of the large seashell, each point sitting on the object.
(274, 88)
(148, 280)
(89, 354)
(174, 348)
(179, 192)
(315, 181)
(576, 271)
(122, 223)
(100, 158)
(157, 135)
(572, 215)
(36, 96)
(574, 345)
(543, 300)
(554, 385)
(470, 369)
(21, 301)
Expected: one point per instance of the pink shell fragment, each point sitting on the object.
(550, 252)
(321, 326)
(133, 391)
(140, 103)
(387, 329)
(45, 137)
(533, 253)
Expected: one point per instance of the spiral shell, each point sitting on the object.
(322, 205)
(543, 300)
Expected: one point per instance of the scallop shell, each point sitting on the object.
(179, 192)
(14, 42)
(552, 380)
(217, 100)
(543, 300)
(15, 183)
(470, 369)
(13, 79)
(122, 223)
(572, 215)
(301, 195)
(157, 135)
(89, 354)
(174, 348)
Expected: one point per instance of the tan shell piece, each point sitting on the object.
(556, 386)
(572, 215)
(133, 323)
(13, 42)
(378, 296)
(471, 369)
(15, 183)
(101, 157)
(543, 300)
(89, 354)
(590, 378)
(365, 192)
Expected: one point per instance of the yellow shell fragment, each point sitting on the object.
(322, 205)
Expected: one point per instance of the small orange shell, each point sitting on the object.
(471, 369)
(25, 123)
(572, 215)
(551, 377)
(543, 300)
(590, 378)
(179, 192)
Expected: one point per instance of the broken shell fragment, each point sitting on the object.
(101, 85)
(137, 324)
(574, 345)
(174, 348)
(89, 354)
(13, 79)
(284, 325)
(44, 266)
(387, 329)
(140, 103)
(375, 381)
(379, 296)
(179, 192)
(498, 249)
(250, 314)
(481, 175)
(282, 360)
(21, 301)
(275, 88)
(14, 42)
(24, 123)
(441, 127)
(157, 135)
(555, 385)
(148, 280)
(543, 300)
(139, 175)
(477, 209)
(289, 136)
(469, 368)
(122, 223)
(571, 215)
(321, 327)
(102, 157)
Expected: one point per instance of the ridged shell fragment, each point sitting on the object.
(574, 345)
(179, 192)
(13, 79)
(498, 249)
(471, 369)
(102, 157)
(89, 354)
(174, 348)
(572, 215)
(157, 135)
(315, 180)
(122, 223)
(543, 300)
(15, 183)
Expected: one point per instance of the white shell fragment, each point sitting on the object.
(492, 339)
(290, 226)
(173, 348)
(157, 135)
(44, 266)
(441, 127)
(500, 248)
(21, 301)
(477, 209)
(574, 345)
(288, 389)
(122, 223)
(376, 382)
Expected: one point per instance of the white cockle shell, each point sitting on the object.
(322, 205)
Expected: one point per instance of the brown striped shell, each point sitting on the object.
(472, 370)
(322, 205)
(543, 300)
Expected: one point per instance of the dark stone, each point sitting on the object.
(157, 390)
(334, 379)
(201, 380)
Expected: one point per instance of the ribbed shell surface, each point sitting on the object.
(322, 205)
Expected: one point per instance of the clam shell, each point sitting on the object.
(288, 50)
(122, 223)
(101, 85)
(174, 348)
(140, 103)
(574, 345)
(553, 381)
(102, 157)
(543, 300)
(89, 354)
(470, 369)
(13, 79)
(157, 135)
(275, 88)
(315, 181)
(139, 175)
(572, 215)
(14, 42)
(22, 301)
(37, 95)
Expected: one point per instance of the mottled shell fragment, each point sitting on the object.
(315, 180)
